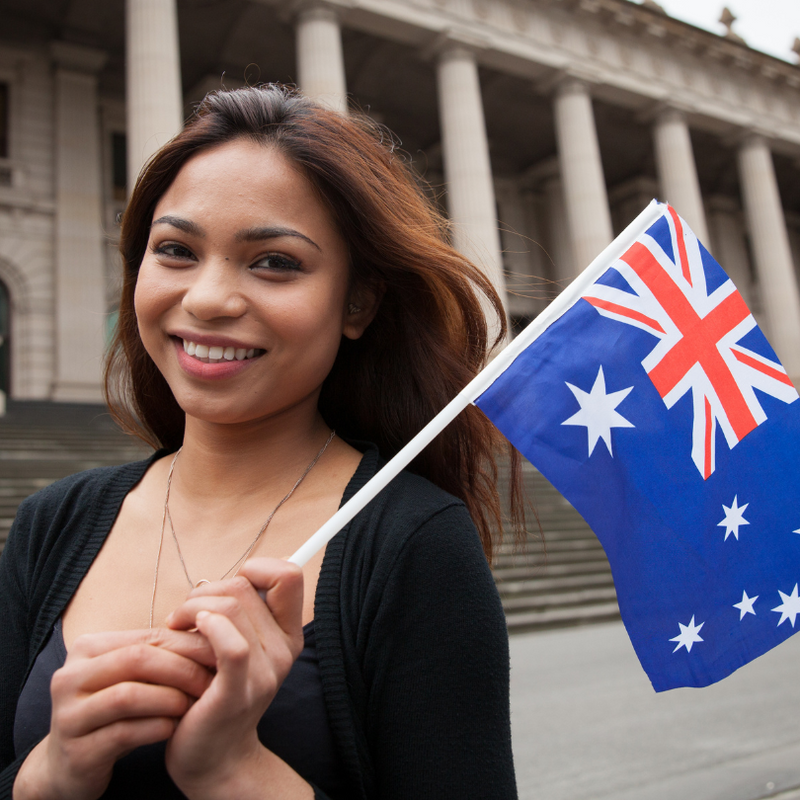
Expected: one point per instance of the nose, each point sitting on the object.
(214, 292)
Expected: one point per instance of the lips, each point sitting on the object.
(215, 354)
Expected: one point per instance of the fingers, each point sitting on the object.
(120, 702)
(183, 643)
(232, 649)
(235, 598)
(137, 662)
(282, 582)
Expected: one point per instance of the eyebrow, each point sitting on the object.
(272, 232)
(247, 235)
(181, 224)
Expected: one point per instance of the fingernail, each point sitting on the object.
(201, 615)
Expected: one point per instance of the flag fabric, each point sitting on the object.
(656, 406)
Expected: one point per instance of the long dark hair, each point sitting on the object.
(429, 336)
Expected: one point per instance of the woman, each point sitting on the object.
(284, 279)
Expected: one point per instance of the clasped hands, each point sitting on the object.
(203, 690)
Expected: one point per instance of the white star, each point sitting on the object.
(789, 608)
(597, 412)
(688, 636)
(746, 606)
(734, 518)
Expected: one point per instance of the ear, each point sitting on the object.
(362, 306)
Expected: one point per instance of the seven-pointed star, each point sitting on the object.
(734, 518)
(746, 606)
(688, 636)
(790, 607)
(597, 412)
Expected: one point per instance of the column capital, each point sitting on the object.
(749, 136)
(454, 43)
(566, 81)
(310, 10)
(752, 138)
(78, 58)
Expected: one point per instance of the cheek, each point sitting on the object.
(148, 302)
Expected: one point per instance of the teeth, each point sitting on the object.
(215, 353)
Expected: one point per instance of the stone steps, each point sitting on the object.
(565, 580)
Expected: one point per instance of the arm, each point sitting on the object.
(14, 643)
(437, 666)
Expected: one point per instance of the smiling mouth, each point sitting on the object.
(217, 354)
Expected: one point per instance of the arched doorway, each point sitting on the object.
(5, 343)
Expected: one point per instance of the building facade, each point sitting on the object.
(542, 126)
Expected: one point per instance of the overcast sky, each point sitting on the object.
(767, 25)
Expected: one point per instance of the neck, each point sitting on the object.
(220, 463)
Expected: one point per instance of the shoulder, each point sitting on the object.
(412, 534)
(82, 489)
(72, 506)
(410, 511)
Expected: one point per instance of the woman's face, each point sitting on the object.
(242, 296)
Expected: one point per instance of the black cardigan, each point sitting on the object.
(411, 637)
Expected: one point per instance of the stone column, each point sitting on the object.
(730, 248)
(582, 172)
(562, 268)
(153, 93)
(468, 173)
(516, 242)
(320, 61)
(677, 172)
(773, 258)
(80, 307)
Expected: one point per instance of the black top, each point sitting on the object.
(410, 632)
(294, 727)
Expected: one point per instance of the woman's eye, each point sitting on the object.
(173, 250)
(277, 263)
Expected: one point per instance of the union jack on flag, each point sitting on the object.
(650, 398)
(699, 335)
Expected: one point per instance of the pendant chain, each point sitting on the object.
(237, 565)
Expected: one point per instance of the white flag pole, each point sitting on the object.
(478, 385)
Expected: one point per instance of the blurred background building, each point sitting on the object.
(560, 119)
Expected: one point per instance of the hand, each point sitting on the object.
(215, 745)
(115, 692)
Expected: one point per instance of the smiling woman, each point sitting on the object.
(285, 278)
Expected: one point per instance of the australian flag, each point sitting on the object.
(656, 406)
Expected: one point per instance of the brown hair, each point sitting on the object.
(428, 338)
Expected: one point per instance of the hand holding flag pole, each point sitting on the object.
(648, 396)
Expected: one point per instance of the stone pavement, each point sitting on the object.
(587, 724)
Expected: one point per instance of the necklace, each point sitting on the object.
(167, 517)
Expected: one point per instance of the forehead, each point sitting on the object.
(246, 182)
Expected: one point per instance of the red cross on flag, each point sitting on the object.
(699, 332)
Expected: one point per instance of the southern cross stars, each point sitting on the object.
(688, 636)
(734, 518)
(789, 608)
(746, 606)
(598, 414)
